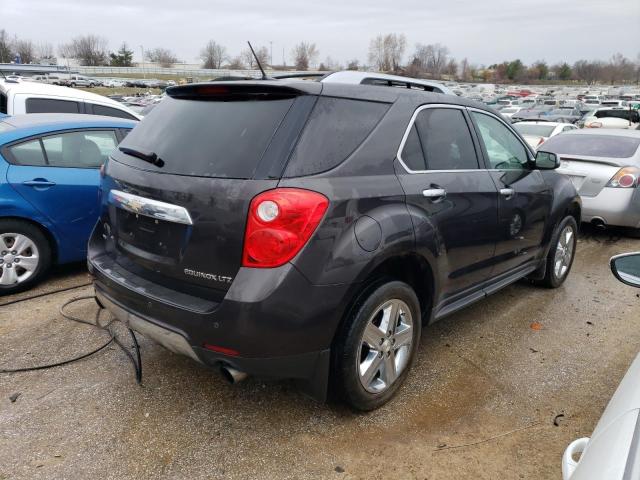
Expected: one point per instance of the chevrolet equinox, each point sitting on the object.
(307, 230)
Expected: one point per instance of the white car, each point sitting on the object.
(536, 132)
(509, 111)
(604, 166)
(32, 97)
(612, 117)
(613, 451)
(113, 83)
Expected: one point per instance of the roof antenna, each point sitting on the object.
(264, 75)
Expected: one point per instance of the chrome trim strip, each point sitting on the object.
(150, 208)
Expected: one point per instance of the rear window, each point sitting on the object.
(593, 145)
(50, 105)
(207, 138)
(630, 115)
(536, 130)
(335, 128)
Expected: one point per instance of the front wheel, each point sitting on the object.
(377, 346)
(561, 254)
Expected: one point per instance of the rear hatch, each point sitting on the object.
(180, 185)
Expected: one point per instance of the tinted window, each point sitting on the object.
(111, 112)
(593, 145)
(534, 129)
(334, 130)
(28, 153)
(207, 137)
(445, 139)
(49, 105)
(3, 103)
(412, 152)
(503, 148)
(79, 149)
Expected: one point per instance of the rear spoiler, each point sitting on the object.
(244, 90)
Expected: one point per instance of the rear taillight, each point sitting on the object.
(279, 224)
(626, 177)
(540, 142)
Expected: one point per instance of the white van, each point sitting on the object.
(18, 97)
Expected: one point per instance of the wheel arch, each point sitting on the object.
(46, 231)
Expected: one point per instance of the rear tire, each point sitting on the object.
(376, 346)
(561, 254)
(25, 256)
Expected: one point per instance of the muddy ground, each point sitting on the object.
(480, 402)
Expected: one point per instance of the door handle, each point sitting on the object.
(39, 182)
(507, 192)
(434, 193)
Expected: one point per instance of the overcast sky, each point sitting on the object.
(485, 31)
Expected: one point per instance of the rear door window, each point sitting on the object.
(335, 128)
(207, 138)
(51, 105)
(439, 140)
(87, 149)
(27, 153)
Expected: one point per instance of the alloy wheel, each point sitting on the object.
(19, 258)
(564, 252)
(385, 348)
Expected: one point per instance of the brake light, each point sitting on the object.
(279, 224)
(540, 142)
(626, 177)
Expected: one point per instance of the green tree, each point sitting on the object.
(514, 69)
(564, 71)
(122, 58)
(542, 69)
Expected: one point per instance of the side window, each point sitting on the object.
(3, 103)
(445, 141)
(503, 148)
(111, 112)
(87, 149)
(568, 128)
(50, 105)
(412, 152)
(336, 127)
(28, 153)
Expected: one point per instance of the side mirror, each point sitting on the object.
(547, 161)
(626, 268)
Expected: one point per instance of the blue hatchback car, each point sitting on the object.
(49, 181)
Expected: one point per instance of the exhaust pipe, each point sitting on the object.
(232, 375)
(599, 222)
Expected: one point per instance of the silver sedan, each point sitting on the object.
(604, 166)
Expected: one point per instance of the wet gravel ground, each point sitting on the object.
(479, 403)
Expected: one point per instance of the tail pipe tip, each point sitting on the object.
(232, 375)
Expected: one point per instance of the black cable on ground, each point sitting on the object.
(136, 361)
(44, 294)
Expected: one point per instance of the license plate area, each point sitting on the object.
(150, 235)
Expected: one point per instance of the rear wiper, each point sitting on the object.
(150, 157)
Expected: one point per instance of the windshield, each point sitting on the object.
(534, 129)
(593, 145)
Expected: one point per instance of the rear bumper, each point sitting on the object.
(279, 324)
(616, 206)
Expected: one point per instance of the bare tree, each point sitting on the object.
(304, 54)
(236, 63)
(262, 53)
(353, 64)
(5, 47)
(587, 71)
(162, 56)
(213, 54)
(386, 51)
(90, 50)
(45, 54)
(431, 58)
(451, 68)
(26, 50)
